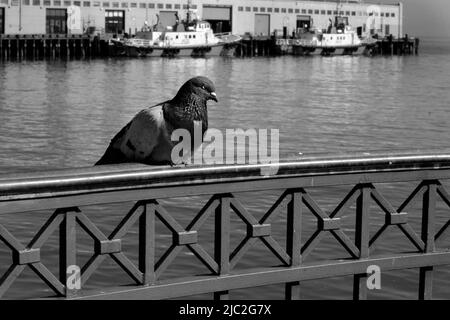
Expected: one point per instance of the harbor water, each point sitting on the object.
(62, 114)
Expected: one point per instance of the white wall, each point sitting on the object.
(33, 20)
(33, 17)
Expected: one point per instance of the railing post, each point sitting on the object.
(67, 252)
(147, 243)
(293, 242)
(428, 233)
(362, 239)
(222, 240)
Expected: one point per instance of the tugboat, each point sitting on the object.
(340, 39)
(190, 37)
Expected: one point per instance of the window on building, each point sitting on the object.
(262, 9)
(248, 9)
(124, 4)
(86, 3)
(177, 6)
(392, 15)
(240, 8)
(194, 6)
(303, 10)
(115, 4)
(324, 12)
(114, 21)
(36, 2)
(382, 14)
(26, 2)
(387, 29)
(160, 6)
(329, 12)
(56, 21)
(255, 9)
(168, 6)
(133, 5)
(105, 4)
(67, 3)
(77, 3)
(297, 10)
(2, 20)
(277, 10)
(347, 13)
(96, 4)
(56, 3)
(269, 9)
(316, 11)
(310, 11)
(151, 6)
(353, 13)
(290, 10)
(283, 10)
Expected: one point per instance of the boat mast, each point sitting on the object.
(189, 4)
(339, 6)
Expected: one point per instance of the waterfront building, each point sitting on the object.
(256, 17)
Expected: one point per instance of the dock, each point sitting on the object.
(37, 47)
(380, 47)
(32, 47)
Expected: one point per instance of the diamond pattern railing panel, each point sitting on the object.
(294, 202)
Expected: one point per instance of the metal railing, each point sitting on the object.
(64, 192)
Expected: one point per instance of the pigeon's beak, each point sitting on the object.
(213, 96)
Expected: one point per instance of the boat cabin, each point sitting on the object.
(198, 33)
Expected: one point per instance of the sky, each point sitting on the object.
(424, 18)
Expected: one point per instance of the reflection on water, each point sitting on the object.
(62, 114)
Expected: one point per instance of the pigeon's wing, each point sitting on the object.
(159, 104)
(113, 154)
(136, 141)
(118, 137)
(142, 135)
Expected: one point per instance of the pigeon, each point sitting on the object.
(147, 137)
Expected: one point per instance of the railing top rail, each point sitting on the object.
(135, 176)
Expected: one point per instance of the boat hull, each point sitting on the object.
(327, 51)
(223, 49)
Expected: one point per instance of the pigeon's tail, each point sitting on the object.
(112, 156)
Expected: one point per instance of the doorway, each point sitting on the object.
(303, 22)
(262, 24)
(219, 17)
(114, 21)
(56, 21)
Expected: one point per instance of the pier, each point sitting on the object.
(380, 47)
(65, 194)
(37, 47)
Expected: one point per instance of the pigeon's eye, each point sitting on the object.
(203, 87)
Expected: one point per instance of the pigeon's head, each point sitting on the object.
(201, 87)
